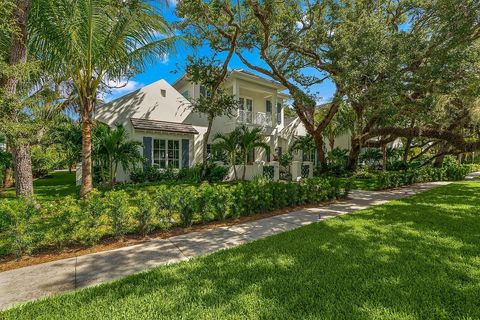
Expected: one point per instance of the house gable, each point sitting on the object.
(156, 101)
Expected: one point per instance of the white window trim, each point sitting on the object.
(166, 153)
(245, 102)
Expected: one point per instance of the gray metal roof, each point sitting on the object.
(162, 126)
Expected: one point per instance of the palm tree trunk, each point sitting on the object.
(87, 123)
(206, 136)
(23, 171)
(234, 166)
(18, 56)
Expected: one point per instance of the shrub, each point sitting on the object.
(145, 212)
(92, 220)
(191, 175)
(20, 218)
(185, 204)
(472, 167)
(217, 173)
(25, 227)
(118, 210)
(394, 179)
(164, 201)
(61, 221)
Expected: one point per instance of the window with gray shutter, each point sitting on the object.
(185, 153)
(147, 150)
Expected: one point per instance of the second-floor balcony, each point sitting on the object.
(263, 119)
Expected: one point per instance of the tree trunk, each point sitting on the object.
(23, 171)
(384, 157)
(408, 144)
(18, 56)
(439, 160)
(87, 123)
(206, 136)
(8, 180)
(355, 149)
(322, 160)
(331, 142)
(234, 167)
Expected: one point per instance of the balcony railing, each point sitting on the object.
(263, 119)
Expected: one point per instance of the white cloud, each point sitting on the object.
(117, 88)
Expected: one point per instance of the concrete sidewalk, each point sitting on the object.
(37, 281)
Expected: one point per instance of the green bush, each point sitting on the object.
(394, 179)
(117, 208)
(472, 167)
(21, 217)
(25, 228)
(185, 200)
(145, 213)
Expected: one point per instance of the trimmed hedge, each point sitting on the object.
(394, 179)
(473, 167)
(25, 227)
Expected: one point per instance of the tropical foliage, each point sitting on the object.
(112, 148)
(94, 43)
(25, 227)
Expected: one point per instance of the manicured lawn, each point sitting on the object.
(416, 258)
(57, 184)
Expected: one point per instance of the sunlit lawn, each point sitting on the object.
(416, 258)
(52, 187)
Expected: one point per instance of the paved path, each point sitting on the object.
(41, 280)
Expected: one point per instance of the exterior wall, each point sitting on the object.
(146, 103)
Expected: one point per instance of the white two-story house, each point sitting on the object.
(158, 115)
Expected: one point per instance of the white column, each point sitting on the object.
(274, 109)
(276, 170)
(296, 170)
(236, 89)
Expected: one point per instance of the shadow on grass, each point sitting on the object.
(416, 258)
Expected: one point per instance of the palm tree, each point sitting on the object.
(112, 148)
(248, 141)
(68, 135)
(305, 144)
(93, 42)
(229, 143)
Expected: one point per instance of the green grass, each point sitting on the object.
(415, 258)
(52, 187)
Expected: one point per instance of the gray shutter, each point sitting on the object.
(185, 153)
(147, 150)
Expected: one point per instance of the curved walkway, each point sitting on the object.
(41, 280)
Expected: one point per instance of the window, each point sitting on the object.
(268, 106)
(166, 153)
(186, 94)
(309, 155)
(204, 92)
(249, 104)
(241, 103)
(279, 113)
(163, 92)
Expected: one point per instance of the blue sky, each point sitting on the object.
(173, 66)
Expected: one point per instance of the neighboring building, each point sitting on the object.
(158, 115)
